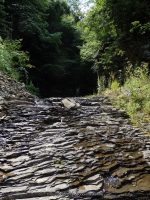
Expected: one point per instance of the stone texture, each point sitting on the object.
(93, 153)
(70, 103)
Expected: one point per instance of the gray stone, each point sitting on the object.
(88, 153)
(70, 103)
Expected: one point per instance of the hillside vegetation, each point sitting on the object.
(117, 42)
(133, 97)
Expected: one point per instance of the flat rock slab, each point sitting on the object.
(48, 152)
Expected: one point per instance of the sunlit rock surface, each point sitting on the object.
(48, 152)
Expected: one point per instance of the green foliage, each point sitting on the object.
(32, 89)
(134, 96)
(101, 43)
(48, 31)
(90, 46)
(64, 42)
(25, 17)
(139, 90)
(115, 33)
(4, 28)
(13, 61)
(115, 86)
(132, 25)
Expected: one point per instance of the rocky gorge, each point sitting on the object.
(49, 152)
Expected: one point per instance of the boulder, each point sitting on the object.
(70, 103)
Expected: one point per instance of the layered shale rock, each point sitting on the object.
(94, 153)
(49, 152)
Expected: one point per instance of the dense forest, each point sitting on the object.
(71, 48)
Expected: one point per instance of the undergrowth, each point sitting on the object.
(133, 97)
(32, 89)
(13, 61)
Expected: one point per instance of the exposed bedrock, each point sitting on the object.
(92, 152)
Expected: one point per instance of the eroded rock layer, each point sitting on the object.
(49, 152)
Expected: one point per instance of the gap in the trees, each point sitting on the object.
(67, 89)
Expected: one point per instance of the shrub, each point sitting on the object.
(133, 96)
(32, 89)
(115, 86)
(13, 61)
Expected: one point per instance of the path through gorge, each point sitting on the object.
(49, 152)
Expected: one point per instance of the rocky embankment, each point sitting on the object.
(49, 152)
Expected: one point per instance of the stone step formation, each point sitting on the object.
(91, 152)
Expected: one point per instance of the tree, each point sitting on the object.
(26, 17)
(4, 25)
(116, 34)
(62, 57)
(132, 23)
(101, 45)
(48, 31)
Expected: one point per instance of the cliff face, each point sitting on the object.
(49, 152)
